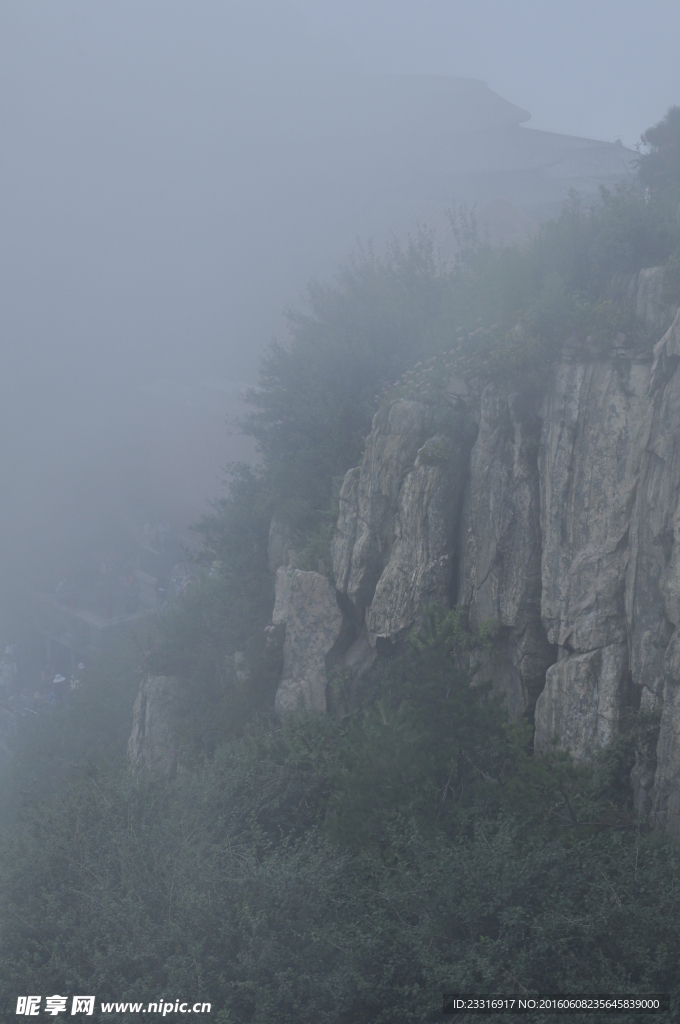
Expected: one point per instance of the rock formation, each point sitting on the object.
(500, 546)
(306, 604)
(394, 546)
(595, 425)
(555, 517)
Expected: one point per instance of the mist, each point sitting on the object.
(174, 174)
(339, 508)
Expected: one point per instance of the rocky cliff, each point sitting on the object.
(555, 516)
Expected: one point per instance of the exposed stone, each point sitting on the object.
(457, 389)
(646, 292)
(653, 587)
(306, 603)
(342, 544)
(347, 682)
(501, 547)
(583, 700)
(151, 747)
(366, 533)
(419, 567)
(596, 424)
(562, 524)
(652, 599)
(596, 421)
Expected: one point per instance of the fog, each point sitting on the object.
(174, 173)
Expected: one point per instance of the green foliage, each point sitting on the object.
(225, 613)
(314, 551)
(423, 748)
(235, 535)
(622, 233)
(89, 731)
(435, 453)
(659, 168)
(347, 871)
(317, 393)
(504, 312)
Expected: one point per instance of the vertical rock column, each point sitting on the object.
(423, 552)
(369, 500)
(395, 545)
(596, 424)
(501, 547)
(306, 604)
(653, 585)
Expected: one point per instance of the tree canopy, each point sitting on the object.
(659, 168)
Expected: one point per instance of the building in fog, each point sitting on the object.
(419, 143)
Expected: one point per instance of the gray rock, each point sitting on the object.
(241, 667)
(366, 531)
(457, 389)
(562, 524)
(418, 569)
(342, 543)
(596, 422)
(653, 587)
(583, 700)
(347, 675)
(646, 293)
(664, 795)
(501, 547)
(306, 603)
(151, 747)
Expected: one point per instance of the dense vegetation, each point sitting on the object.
(352, 870)
(349, 871)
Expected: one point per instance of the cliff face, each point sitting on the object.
(395, 542)
(556, 518)
(306, 605)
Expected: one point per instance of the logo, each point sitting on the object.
(29, 1006)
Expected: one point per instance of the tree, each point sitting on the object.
(317, 393)
(659, 168)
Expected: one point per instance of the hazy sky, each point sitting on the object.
(158, 209)
(135, 202)
(605, 69)
(130, 135)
